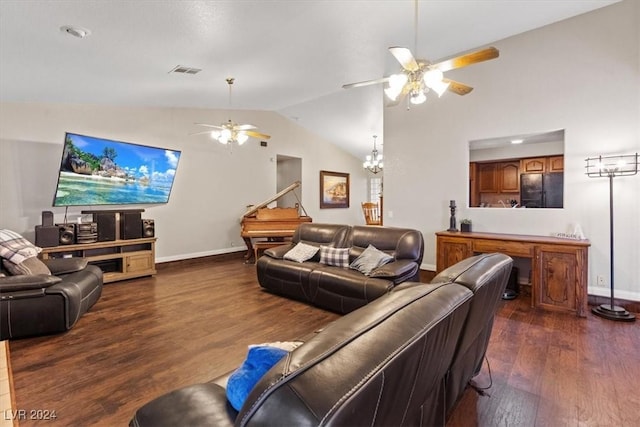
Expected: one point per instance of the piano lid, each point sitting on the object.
(253, 209)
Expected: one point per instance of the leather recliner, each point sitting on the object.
(32, 305)
(474, 340)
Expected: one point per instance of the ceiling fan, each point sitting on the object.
(230, 131)
(420, 76)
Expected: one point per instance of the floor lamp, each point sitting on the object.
(610, 167)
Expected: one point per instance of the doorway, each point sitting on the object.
(288, 171)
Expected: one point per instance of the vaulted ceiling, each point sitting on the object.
(288, 56)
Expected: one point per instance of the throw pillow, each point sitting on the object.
(370, 259)
(260, 359)
(29, 266)
(338, 257)
(301, 252)
(16, 248)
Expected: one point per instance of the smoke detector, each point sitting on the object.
(78, 32)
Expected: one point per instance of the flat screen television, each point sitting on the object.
(98, 171)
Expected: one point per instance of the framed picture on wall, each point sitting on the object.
(334, 190)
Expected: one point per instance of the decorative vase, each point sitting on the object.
(465, 228)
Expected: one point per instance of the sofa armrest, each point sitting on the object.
(26, 282)
(279, 251)
(199, 404)
(397, 271)
(65, 265)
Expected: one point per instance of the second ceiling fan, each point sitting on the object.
(420, 76)
(231, 132)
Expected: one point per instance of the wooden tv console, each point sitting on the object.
(559, 266)
(118, 259)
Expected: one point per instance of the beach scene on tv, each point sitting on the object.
(98, 171)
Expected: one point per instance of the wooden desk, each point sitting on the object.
(559, 266)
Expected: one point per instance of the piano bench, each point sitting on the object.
(262, 245)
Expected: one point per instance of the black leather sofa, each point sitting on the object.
(342, 289)
(403, 359)
(32, 305)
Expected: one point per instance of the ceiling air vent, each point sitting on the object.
(185, 70)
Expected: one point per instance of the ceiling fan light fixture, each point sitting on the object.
(242, 137)
(417, 97)
(392, 93)
(433, 77)
(397, 81)
(440, 87)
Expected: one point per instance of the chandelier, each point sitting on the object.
(373, 163)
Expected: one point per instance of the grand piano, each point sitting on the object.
(261, 224)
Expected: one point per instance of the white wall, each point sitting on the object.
(213, 184)
(581, 75)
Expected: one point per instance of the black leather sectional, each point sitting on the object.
(403, 359)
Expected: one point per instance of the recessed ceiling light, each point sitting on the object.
(517, 141)
(78, 32)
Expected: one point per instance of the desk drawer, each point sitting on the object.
(518, 249)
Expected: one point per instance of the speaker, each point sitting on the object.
(148, 228)
(47, 218)
(67, 234)
(47, 236)
(107, 226)
(130, 225)
(513, 287)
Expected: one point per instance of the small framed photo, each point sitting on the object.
(334, 190)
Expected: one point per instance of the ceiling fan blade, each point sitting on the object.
(257, 134)
(457, 87)
(405, 58)
(209, 126)
(200, 133)
(468, 59)
(244, 127)
(366, 83)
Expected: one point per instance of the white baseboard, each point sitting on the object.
(428, 267)
(606, 292)
(200, 254)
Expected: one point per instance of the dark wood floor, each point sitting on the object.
(192, 323)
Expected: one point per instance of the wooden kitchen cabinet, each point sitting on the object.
(487, 177)
(559, 266)
(534, 165)
(498, 177)
(542, 164)
(555, 164)
(509, 177)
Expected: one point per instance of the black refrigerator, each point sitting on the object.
(541, 190)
